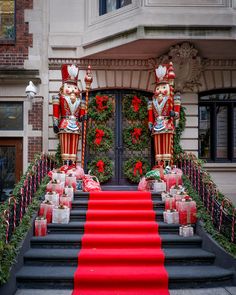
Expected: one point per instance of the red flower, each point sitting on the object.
(138, 167)
(99, 135)
(100, 165)
(136, 103)
(136, 134)
(100, 101)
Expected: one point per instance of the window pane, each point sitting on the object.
(7, 19)
(222, 132)
(125, 2)
(204, 132)
(111, 5)
(234, 128)
(11, 116)
(7, 170)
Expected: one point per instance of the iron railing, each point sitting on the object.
(220, 209)
(18, 203)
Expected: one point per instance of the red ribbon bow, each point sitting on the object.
(136, 134)
(138, 167)
(100, 165)
(136, 103)
(99, 135)
(100, 100)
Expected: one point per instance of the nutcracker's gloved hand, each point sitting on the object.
(172, 114)
(150, 125)
(84, 118)
(55, 128)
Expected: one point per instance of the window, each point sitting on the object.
(11, 116)
(217, 126)
(106, 6)
(7, 20)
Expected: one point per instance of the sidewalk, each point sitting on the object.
(210, 291)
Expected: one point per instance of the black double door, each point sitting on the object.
(119, 153)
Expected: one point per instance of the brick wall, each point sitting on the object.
(13, 54)
(35, 116)
(34, 147)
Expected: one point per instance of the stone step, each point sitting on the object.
(69, 257)
(55, 240)
(78, 227)
(193, 276)
(80, 214)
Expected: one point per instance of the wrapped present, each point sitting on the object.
(175, 189)
(179, 197)
(52, 197)
(61, 214)
(79, 172)
(79, 184)
(59, 175)
(56, 186)
(71, 181)
(164, 195)
(40, 227)
(153, 175)
(170, 203)
(186, 231)
(91, 183)
(45, 210)
(69, 191)
(156, 186)
(66, 201)
(142, 186)
(187, 211)
(172, 179)
(171, 216)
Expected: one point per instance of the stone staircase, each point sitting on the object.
(52, 260)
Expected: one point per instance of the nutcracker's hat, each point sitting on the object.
(69, 74)
(165, 74)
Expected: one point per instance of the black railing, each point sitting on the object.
(18, 203)
(221, 209)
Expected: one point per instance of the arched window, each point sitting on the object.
(217, 126)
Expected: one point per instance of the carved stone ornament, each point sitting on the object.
(187, 66)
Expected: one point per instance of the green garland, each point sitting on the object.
(97, 114)
(129, 110)
(106, 142)
(178, 133)
(136, 144)
(108, 169)
(129, 167)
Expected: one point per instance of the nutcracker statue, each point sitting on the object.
(162, 111)
(68, 113)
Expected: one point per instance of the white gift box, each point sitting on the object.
(175, 189)
(61, 214)
(164, 195)
(171, 217)
(69, 191)
(186, 231)
(61, 176)
(155, 186)
(52, 197)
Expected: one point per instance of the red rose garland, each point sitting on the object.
(136, 103)
(98, 136)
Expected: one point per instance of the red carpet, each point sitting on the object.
(121, 248)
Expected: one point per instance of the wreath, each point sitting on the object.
(135, 107)
(136, 137)
(135, 168)
(102, 168)
(100, 138)
(100, 108)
